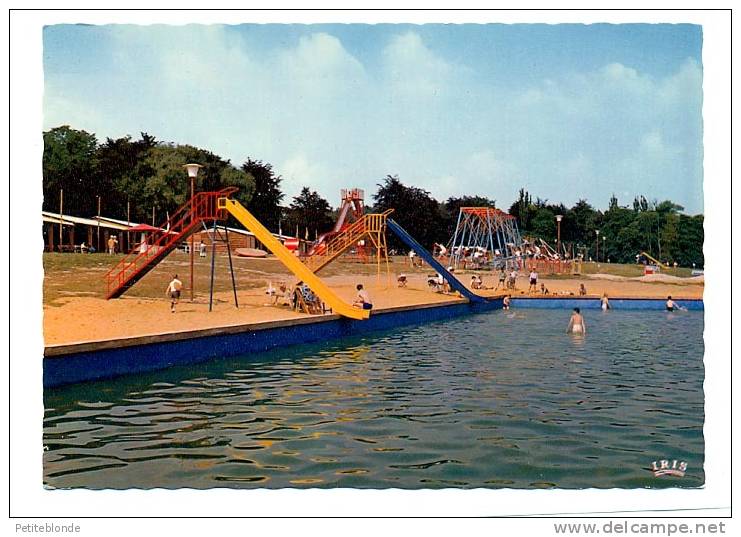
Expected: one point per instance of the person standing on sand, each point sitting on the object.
(173, 291)
(576, 323)
(502, 279)
(533, 281)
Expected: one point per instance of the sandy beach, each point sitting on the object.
(76, 319)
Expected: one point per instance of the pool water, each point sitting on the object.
(502, 399)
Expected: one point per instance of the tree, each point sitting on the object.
(309, 211)
(168, 186)
(68, 163)
(524, 210)
(267, 196)
(123, 166)
(415, 210)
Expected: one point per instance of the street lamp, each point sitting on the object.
(604, 246)
(558, 241)
(192, 173)
(597, 256)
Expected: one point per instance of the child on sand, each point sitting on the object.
(502, 279)
(576, 323)
(173, 291)
(533, 281)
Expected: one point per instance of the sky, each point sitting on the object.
(567, 111)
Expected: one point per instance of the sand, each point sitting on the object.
(84, 319)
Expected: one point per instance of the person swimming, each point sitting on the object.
(576, 323)
(505, 302)
(670, 304)
(605, 302)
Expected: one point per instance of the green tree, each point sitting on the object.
(265, 203)
(309, 211)
(524, 210)
(68, 164)
(122, 165)
(168, 186)
(414, 209)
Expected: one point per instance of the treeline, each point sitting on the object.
(144, 178)
(658, 228)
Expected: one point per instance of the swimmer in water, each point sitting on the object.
(670, 304)
(604, 302)
(505, 302)
(576, 323)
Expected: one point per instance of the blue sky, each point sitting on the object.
(566, 111)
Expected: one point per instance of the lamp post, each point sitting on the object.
(558, 233)
(597, 256)
(192, 173)
(604, 246)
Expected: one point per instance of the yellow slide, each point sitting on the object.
(291, 261)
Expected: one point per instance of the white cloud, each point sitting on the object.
(412, 68)
(326, 120)
(299, 171)
(319, 62)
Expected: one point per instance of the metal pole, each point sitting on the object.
(192, 238)
(61, 219)
(213, 264)
(597, 256)
(128, 223)
(231, 267)
(97, 245)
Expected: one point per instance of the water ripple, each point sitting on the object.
(481, 401)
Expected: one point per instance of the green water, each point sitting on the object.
(504, 399)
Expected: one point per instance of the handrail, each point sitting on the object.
(202, 206)
(367, 224)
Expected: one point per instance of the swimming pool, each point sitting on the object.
(501, 399)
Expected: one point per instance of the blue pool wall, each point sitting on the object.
(111, 362)
(106, 360)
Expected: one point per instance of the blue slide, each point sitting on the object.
(454, 282)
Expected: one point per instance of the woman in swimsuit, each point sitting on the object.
(576, 323)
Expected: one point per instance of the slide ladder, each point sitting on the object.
(291, 262)
(181, 225)
(420, 250)
(346, 239)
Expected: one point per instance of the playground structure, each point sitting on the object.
(371, 227)
(651, 264)
(546, 260)
(351, 204)
(214, 207)
(485, 237)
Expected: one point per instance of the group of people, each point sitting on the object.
(299, 297)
